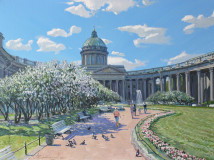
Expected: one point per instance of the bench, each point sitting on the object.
(7, 153)
(85, 113)
(82, 117)
(120, 108)
(211, 105)
(60, 128)
(104, 109)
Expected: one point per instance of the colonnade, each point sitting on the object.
(197, 83)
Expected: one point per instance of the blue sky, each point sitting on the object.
(142, 33)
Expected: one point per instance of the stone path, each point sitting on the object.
(118, 148)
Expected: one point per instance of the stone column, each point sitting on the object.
(211, 84)
(164, 83)
(169, 83)
(153, 85)
(199, 86)
(144, 89)
(130, 81)
(124, 97)
(137, 87)
(1, 73)
(202, 87)
(178, 81)
(104, 83)
(187, 77)
(110, 84)
(161, 83)
(116, 86)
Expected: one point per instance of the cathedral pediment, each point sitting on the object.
(109, 70)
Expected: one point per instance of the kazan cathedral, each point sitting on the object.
(194, 76)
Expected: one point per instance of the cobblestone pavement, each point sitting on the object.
(118, 148)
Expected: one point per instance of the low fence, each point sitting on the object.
(25, 147)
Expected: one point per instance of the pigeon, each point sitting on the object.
(83, 143)
(70, 144)
(89, 128)
(94, 136)
(74, 142)
(105, 137)
(112, 136)
(137, 153)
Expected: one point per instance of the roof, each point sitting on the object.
(94, 41)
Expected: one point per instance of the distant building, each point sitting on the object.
(194, 76)
(11, 64)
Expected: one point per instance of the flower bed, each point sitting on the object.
(164, 147)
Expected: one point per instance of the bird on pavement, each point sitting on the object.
(112, 136)
(83, 143)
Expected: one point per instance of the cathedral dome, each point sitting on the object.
(94, 41)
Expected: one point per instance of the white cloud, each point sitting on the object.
(117, 53)
(60, 32)
(147, 34)
(115, 6)
(46, 45)
(79, 10)
(148, 2)
(181, 58)
(106, 41)
(18, 45)
(78, 62)
(197, 22)
(122, 61)
(70, 3)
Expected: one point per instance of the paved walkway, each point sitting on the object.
(118, 148)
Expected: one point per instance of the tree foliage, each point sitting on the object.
(50, 88)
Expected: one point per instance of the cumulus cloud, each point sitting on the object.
(129, 65)
(78, 62)
(197, 22)
(181, 58)
(106, 41)
(117, 53)
(46, 45)
(147, 34)
(79, 10)
(148, 2)
(115, 6)
(18, 45)
(56, 32)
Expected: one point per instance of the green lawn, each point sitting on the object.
(16, 136)
(191, 129)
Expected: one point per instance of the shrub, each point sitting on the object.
(171, 96)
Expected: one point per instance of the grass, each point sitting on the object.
(17, 135)
(191, 129)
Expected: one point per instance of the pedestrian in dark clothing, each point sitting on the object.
(145, 107)
(134, 109)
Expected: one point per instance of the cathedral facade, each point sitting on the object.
(194, 76)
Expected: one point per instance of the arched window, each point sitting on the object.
(98, 59)
(93, 59)
(88, 59)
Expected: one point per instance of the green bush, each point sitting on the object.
(170, 97)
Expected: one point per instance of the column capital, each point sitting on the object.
(198, 71)
(211, 69)
(187, 72)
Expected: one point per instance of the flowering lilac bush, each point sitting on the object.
(171, 96)
(164, 147)
(50, 88)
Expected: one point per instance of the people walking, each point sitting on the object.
(145, 107)
(116, 116)
(134, 109)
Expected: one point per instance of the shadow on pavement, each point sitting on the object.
(99, 125)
